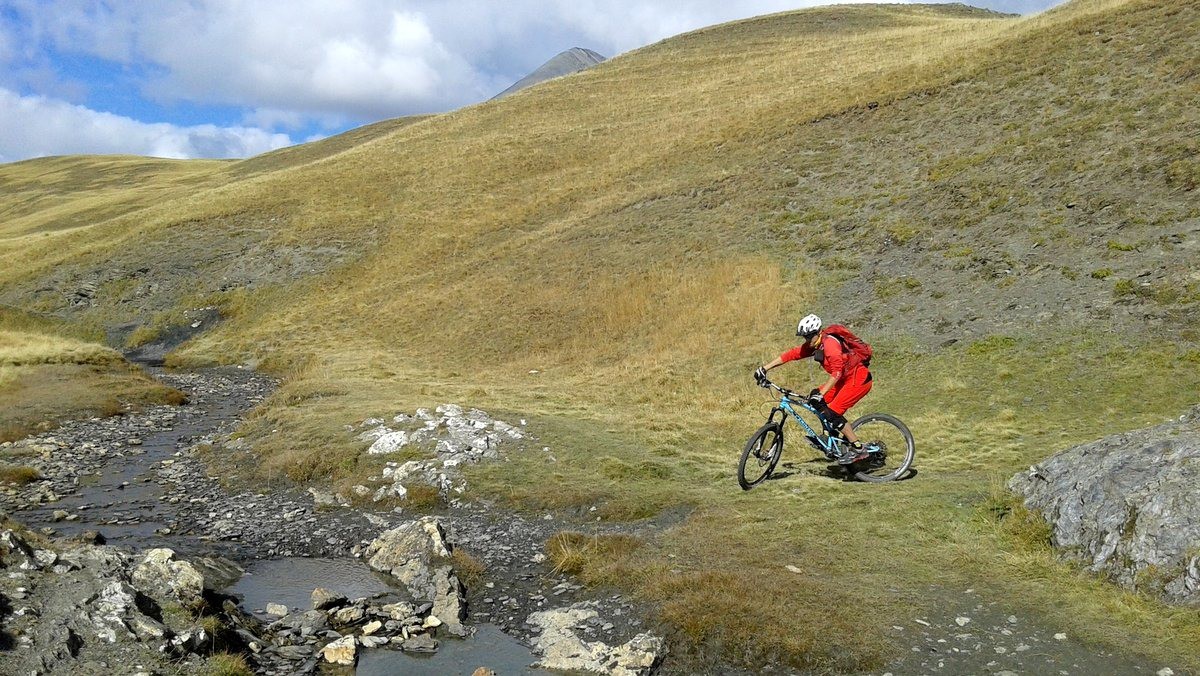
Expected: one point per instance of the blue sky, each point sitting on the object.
(233, 78)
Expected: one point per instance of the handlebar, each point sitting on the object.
(785, 391)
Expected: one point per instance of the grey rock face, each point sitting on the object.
(448, 604)
(414, 553)
(1127, 506)
(564, 63)
(164, 576)
(407, 551)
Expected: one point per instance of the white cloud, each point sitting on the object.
(293, 64)
(367, 59)
(35, 126)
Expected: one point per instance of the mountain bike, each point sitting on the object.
(886, 440)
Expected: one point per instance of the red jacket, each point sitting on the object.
(831, 355)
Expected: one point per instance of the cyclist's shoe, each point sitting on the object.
(852, 453)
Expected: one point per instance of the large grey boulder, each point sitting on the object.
(165, 577)
(408, 552)
(1127, 506)
(417, 554)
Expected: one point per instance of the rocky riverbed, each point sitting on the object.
(125, 495)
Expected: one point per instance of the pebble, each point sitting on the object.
(962, 621)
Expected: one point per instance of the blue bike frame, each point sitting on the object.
(828, 443)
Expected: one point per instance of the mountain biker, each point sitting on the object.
(849, 380)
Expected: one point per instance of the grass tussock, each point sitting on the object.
(469, 568)
(227, 664)
(422, 497)
(18, 474)
(591, 557)
(1021, 528)
(728, 614)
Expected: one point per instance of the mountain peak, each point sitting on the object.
(566, 62)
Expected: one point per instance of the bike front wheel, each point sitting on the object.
(889, 444)
(761, 454)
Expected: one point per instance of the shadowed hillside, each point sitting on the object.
(1005, 207)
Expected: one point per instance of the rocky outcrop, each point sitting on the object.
(416, 553)
(1127, 506)
(71, 600)
(162, 575)
(562, 649)
(408, 551)
(450, 436)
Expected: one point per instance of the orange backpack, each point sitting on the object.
(858, 352)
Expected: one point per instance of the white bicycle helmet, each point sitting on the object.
(808, 326)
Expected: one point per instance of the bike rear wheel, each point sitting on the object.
(891, 446)
(761, 454)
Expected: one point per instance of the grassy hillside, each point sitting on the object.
(45, 378)
(1005, 207)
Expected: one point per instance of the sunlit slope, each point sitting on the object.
(57, 193)
(603, 216)
(533, 203)
(294, 156)
(1005, 207)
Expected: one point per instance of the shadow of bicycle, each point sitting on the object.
(828, 471)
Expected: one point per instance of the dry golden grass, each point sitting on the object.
(469, 568)
(630, 234)
(575, 553)
(19, 348)
(18, 474)
(46, 378)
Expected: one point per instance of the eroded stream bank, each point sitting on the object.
(116, 492)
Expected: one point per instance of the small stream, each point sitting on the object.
(132, 479)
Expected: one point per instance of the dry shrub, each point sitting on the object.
(12, 431)
(422, 497)
(174, 397)
(227, 664)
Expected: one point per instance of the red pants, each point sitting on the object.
(847, 391)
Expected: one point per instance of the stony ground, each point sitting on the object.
(142, 481)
